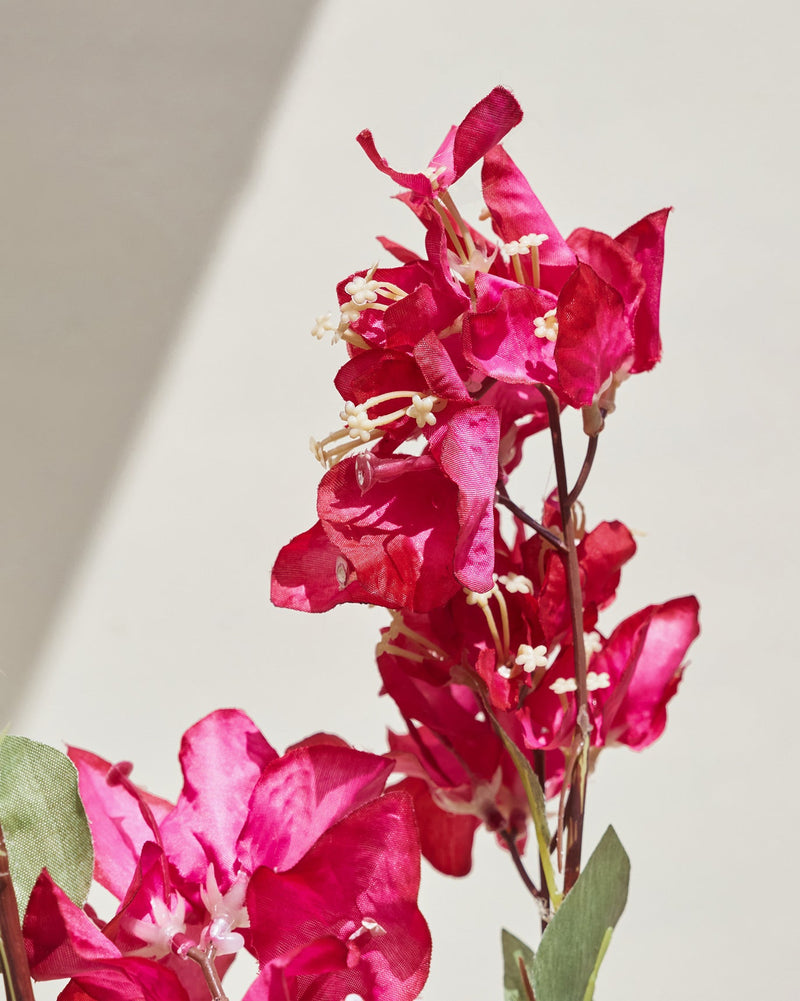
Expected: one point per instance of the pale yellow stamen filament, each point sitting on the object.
(501, 601)
(451, 232)
(399, 626)
(482, 601)
(518, 268)
(447, 199)
(399, 651)
(535, 272)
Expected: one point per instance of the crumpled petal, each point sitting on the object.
(302, 795)
(467, 452)
(366, 868)
(118, 828)
(644, 660)
(594, 336)
(222, 757)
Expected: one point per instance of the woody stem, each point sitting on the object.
(578, 776)
(16, 972)
(205, 960)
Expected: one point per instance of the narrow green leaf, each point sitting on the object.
(517, 965)
(43, 819)
(536, 802)
(574, 942)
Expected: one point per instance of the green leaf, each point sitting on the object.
(576, 939)
(517, 964)
(43, 819)
(536, 802)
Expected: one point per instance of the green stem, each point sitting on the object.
(16, 972)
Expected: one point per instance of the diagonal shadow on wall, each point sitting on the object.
(128, 129)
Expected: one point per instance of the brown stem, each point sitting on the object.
(526, 981)
(16, 972)
(583, 726)
(586, 468)
(540, 898)
(205, 960)
(552, 538)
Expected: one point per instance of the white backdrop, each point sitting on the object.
(629, 106)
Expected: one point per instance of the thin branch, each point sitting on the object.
(583, 726)
(541, 898)
(16, 972)
(586, 468)
(551, 537)
(205, 960)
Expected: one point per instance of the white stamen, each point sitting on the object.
(592, 643)
(164, 924)
(533, 239)
(516, 583)
(546, 326)
(342, 571)
(529, 657)
(478, 598)
(514, 248)
(324, 326)
(421, 410)
(563, 685)
(358, 421)
(362, 290)
(595, 681)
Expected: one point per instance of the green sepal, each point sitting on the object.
(575, 940)
(517, 965)
(43, 819)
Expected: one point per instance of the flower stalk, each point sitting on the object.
(16, 972)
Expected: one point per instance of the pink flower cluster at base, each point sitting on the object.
(302, 859)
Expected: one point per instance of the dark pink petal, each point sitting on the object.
(445, 838)
(645, 241)
(118, 828)
(484, 126)
(517, 212)
(399, 536)
(292, 977)
(60, 938)
(602, 554)
(499, 338)
(312, 575)
(363, 870)
(467, 453)
(594, 337)
(222, 758)
(397, 250)
(439, 371)
(302, 795)
(611, 262)
(644, 659)
(418, 183)
(375, 372)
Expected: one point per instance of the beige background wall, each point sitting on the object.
(181, 193)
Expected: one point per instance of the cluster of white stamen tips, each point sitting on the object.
(357, 421)
(546, 326)
(324, 327)
(158, 933)
(362, 291)
(531, 657)
(516, 583)
(592, 644)
(421, 410)
(228, 911)
(533, 240)
(594, 682)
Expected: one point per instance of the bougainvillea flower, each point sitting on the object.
(190, 867)
(359, 884)
(631, 678)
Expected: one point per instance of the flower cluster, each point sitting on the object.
(303, 859)
(456, 357)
